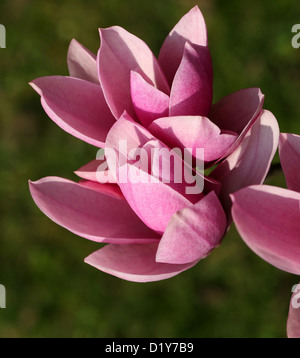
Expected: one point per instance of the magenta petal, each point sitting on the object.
(125, 136)
(89, 213)
(193, 132)
(107, 189)
(153, 201)
(191, 28)
(192, 88)
(289, 152)
(293, 322)
(149, 103)
(118, 147)
(97, 171)
(134, 263)
(237, 112)
(193, 232)
(170, 167)
(250, 163)
(119, 54)
(77, 106)
(82, 62)
(268, 220)
(126, 129)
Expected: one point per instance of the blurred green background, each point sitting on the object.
(50, 291)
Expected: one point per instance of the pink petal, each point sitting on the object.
(124, 136)
(149, 103)
(293, 322)
(89, 213)
(191, 28)
(237, 112)
(192, 88)
(77, 106)
(250, 163)
(82, 62)
(107, 189)
(153, 201)
(119, 54)
(134, 263)
(268, 220)
(289, 152)
(170, 167)
(97, 171)
(193, 232)
(193, 132)
(176, 168)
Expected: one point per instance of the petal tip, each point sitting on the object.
(195, 8)
(32, 183)
(73, 42)
(34, 85)
(283, 137)
(232, 197)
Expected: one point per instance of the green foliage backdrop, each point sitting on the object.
(50, 291)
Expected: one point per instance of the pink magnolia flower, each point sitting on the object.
(154, 229)
(268, 219)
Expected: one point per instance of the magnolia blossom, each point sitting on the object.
(154, 228)
(268, 219)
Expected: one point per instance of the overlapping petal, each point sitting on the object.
(289, 152)
(82, 63)
(121, 147)
(107, 189)
(237, 112)
(154, 200)
(134, 263)
(138, 137)
(193, 232)
(268, 220)
(192, 88)
(89, 213)
(120, 53)
(193, 132)
(191, 28)
(250, 163)
(97, 170)
(77, 106)
(149, 103)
